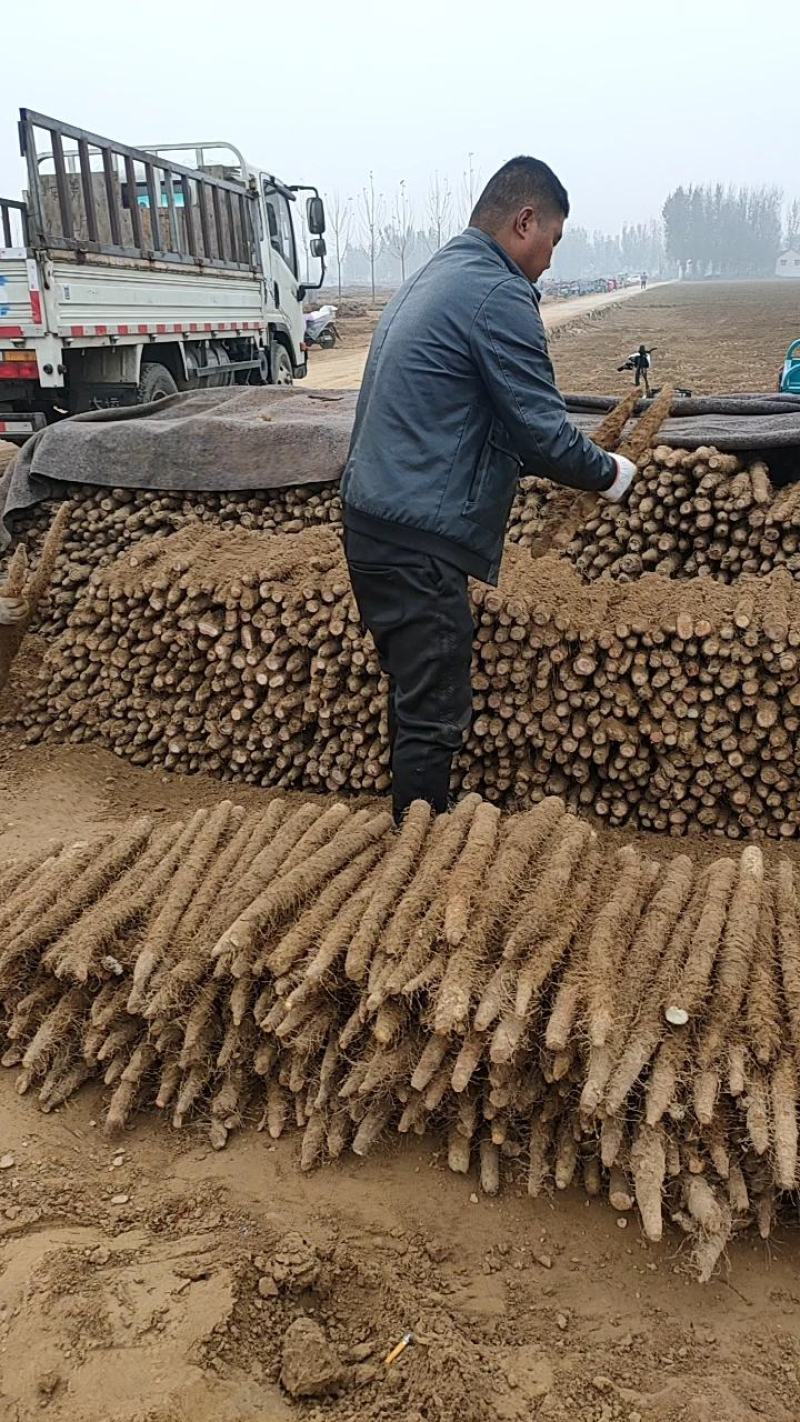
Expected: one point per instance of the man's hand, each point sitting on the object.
(626, 469)
(12, 611)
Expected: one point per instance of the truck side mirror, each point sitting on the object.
(319, 247)
(315, 215)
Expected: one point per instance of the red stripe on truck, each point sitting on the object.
(11, 333)
(36, 308)
(76, 331)
(122, 330)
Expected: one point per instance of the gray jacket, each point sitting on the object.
(458, 398)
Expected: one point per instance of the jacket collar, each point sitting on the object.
(502, 254)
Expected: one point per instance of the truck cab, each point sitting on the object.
(277, 229)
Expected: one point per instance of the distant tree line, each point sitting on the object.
(713, 230)
(377, 241)
(637, 248)
(376, 244)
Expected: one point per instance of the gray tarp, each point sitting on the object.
(736, 422)
(245, 438)
(206, 439)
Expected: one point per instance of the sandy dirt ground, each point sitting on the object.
(343, 367)
(150, 1279)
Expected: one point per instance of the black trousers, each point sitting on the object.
(417, 609)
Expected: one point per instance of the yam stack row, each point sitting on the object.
(673, 707)
(559, 1010)
(693, 514)
(105, 523)
(690, 514)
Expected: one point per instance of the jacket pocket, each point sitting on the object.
(493, 485)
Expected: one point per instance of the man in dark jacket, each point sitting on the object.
(458, 398)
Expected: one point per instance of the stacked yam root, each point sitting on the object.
(104, 523)
(693, 513)
(690, 514)
(557, 1009)
(668, 706)
(22, 591)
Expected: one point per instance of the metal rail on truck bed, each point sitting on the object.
(109, 199)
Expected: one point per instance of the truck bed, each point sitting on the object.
(94, 299)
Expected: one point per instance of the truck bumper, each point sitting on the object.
(17, 428)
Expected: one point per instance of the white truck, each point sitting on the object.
(126, 275)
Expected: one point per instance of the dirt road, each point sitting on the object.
(343, 367)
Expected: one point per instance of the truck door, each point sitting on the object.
(284, 263)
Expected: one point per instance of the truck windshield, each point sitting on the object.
(143, 197)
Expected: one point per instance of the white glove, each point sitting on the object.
(626, 469)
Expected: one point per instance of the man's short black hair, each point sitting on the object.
(521, 182)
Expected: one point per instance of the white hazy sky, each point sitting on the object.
(625, 100)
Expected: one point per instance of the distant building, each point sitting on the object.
(788, 264)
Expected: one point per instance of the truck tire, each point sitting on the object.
(155, 383)
(281, 365)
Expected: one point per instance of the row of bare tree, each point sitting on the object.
(374, 241)
(377, 242)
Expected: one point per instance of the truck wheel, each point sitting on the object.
(281, 363)
(155, 383)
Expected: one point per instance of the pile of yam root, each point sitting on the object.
(669, 706)
(105, 523)
(22, 591)
(690, 513)
(561, 1011)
